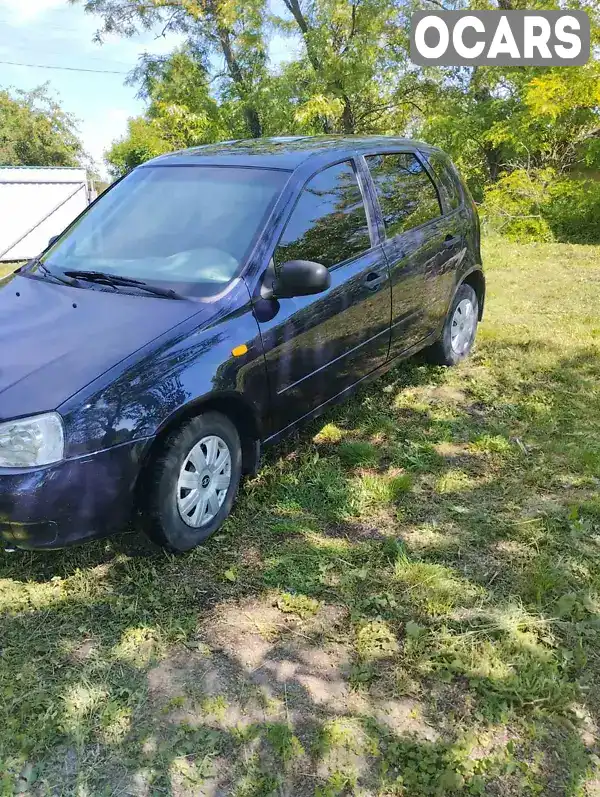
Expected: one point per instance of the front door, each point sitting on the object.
(318, 346)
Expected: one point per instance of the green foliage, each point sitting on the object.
(520, 136)
(514, 132)
(181, 113)
(513, 205)
(354, 453)
(573, 210)
(142, 142)
(301, 605)
(284, 743)
(540, 206)
(36, 131)
(375, 640)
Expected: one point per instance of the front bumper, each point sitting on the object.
(73, 501)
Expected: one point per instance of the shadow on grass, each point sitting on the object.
(405, 599)
(118, 694)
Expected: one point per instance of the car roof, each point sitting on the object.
(286, 152)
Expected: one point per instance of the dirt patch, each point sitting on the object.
(541, 506)
(445, 394)
(353, 531)
(451, 450)
(83, 652)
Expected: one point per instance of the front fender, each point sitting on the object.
(139, 400)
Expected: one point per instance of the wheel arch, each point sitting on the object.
(476, 280)
(229, 403)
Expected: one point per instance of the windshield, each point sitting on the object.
(189, 228)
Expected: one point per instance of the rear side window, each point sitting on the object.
(406, 194)
(448, 180)
(329, 223)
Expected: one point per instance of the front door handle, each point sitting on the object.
(450, 241)
(373, 279)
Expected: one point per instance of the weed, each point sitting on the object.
(358, 452)
(301, 605)
(376, 640)
(284, 743)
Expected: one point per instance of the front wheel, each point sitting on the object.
(459, 331)
(193, 482)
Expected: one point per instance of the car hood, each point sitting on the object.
(56, 339)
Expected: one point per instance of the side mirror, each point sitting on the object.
(53, 240)
(301, 278)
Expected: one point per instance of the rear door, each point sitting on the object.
(418, 243)
(458, 222)
(318, 346)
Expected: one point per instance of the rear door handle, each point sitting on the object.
(373, 279)
(450, 241)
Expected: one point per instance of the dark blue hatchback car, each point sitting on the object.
(204, 306)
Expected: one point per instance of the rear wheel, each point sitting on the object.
(460, 328)
(194, 482)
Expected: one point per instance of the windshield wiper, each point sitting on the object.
(47, 274)
(115, 281)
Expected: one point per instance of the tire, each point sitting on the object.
(193, 482)
(452, 348)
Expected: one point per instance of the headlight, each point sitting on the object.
(30, 442)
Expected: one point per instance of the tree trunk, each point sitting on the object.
(293, 6)
(348, 123)
(492, 157)
(235, 71)
(253, 121)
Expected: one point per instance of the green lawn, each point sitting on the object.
(5, 269)
(405, 602)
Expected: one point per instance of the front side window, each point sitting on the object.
(406, 194)
(187, 227)
(329, 223)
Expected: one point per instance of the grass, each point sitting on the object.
(406, 600)
(6, 268)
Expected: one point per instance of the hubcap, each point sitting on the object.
(463, 326)
(204, 481)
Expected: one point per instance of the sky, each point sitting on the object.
(54, 33)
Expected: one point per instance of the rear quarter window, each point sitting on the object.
(448, 180)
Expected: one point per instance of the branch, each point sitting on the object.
(162, 34)
(352, 29)
(388, 107)
(440, 5)
(379, 109)
(293, 6)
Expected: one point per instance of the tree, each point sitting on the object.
(494, 120)
(513, 131)
(229, 29)
(181, 113)
(357, 54)
(36, 131)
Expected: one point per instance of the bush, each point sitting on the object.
(573, 211)
(513, 206)
(538, 206)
